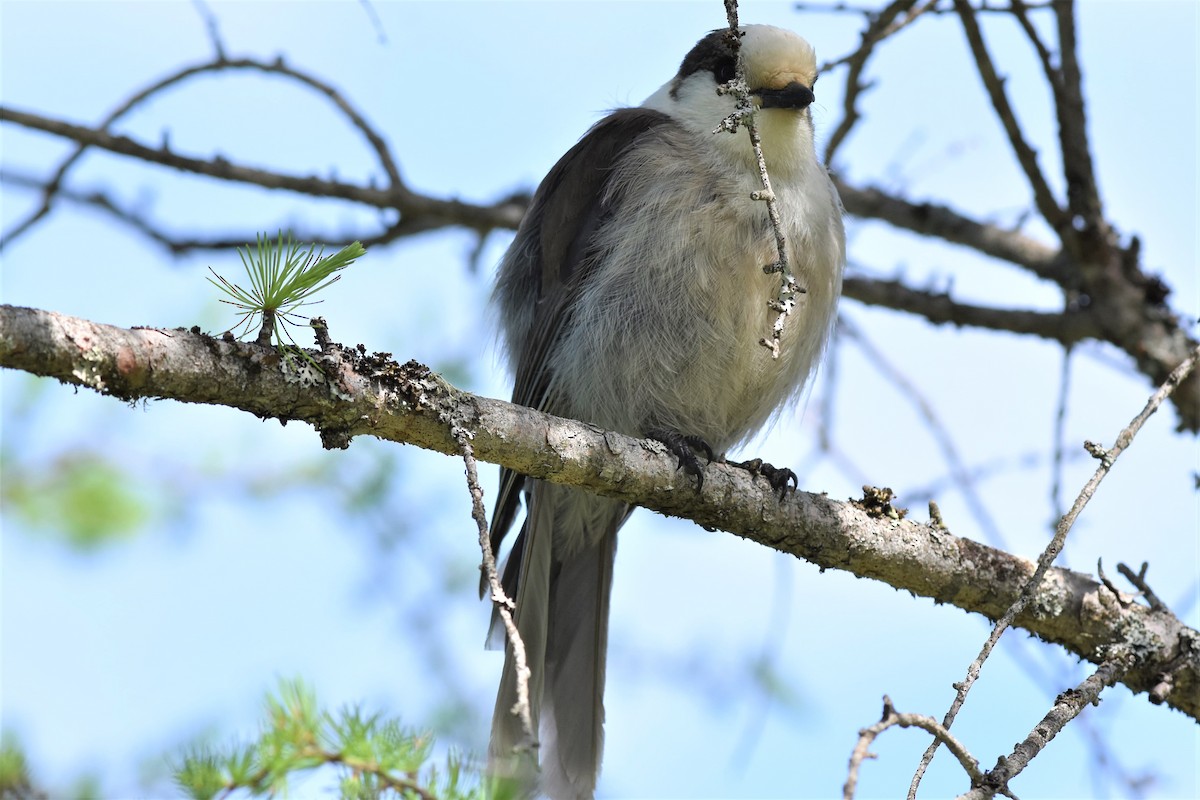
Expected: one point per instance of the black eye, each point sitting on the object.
(725, 70)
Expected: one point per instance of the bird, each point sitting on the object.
(634, 298)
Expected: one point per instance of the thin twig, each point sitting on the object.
(745, 114)
(879, 27)
(219, 64)
(1026, 156)
(1083, 196)
(942, 222)
(1138, 579)
(211, 28)
(503, 605)
(1053, 77)
(892, 718)
(180, 243)
(1067, 706)
(418, 212)
(1107, 458)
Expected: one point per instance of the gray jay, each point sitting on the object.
(634, 298)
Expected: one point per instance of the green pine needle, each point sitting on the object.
(283, 278)
(374, 758)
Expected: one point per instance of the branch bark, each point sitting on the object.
(362, 394)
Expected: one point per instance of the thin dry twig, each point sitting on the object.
(1021, 11)
(211, 27)
(175, 244)
(892, 718)
(1083, 194)
(503, 604)
(220, 63)
(418, 213)
(1067, 706)
(1026, 156)
(1138, 579)
(396, 195)
(785, 301)
(1107, 458)
(891, 20)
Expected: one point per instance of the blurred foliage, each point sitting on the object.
(14, 770)
(374, 756)
(16, 783)
(81, 497)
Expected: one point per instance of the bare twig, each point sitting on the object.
(501, 602)
(211, 28)
(220, 63)
(1125, 303)
(1021, 11)
(879, 27)
(942, 222)
(1083, 195)
(1027, 157)
(1124, 439)
(423, 213)
(1067, 328)
(892, 718)
(842, 7)
(785, 301)
(1138, 579)
(1067, 706)
(178, 243)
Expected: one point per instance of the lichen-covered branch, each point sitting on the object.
(370, 394)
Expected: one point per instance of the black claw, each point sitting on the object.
(684, 447)
(781, 479)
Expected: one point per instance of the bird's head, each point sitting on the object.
(780, 69)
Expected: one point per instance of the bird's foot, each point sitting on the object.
(684, 447)
(781, 479)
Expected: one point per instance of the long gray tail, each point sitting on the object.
(573, 699)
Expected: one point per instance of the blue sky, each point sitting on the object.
(110, 659)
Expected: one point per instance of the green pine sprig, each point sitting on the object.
(376, 757)
(283, 278)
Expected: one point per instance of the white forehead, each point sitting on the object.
(768, 52)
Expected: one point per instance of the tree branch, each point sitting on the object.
(942, 222)
(1043, 198)
(1083, 195)
(418, 211)
(1067, 706)
(1067, 327)
(1126, 304)
(880, 25)
(372, 395)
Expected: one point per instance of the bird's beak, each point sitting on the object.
(795, 95)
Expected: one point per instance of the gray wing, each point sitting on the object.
(551, 257)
